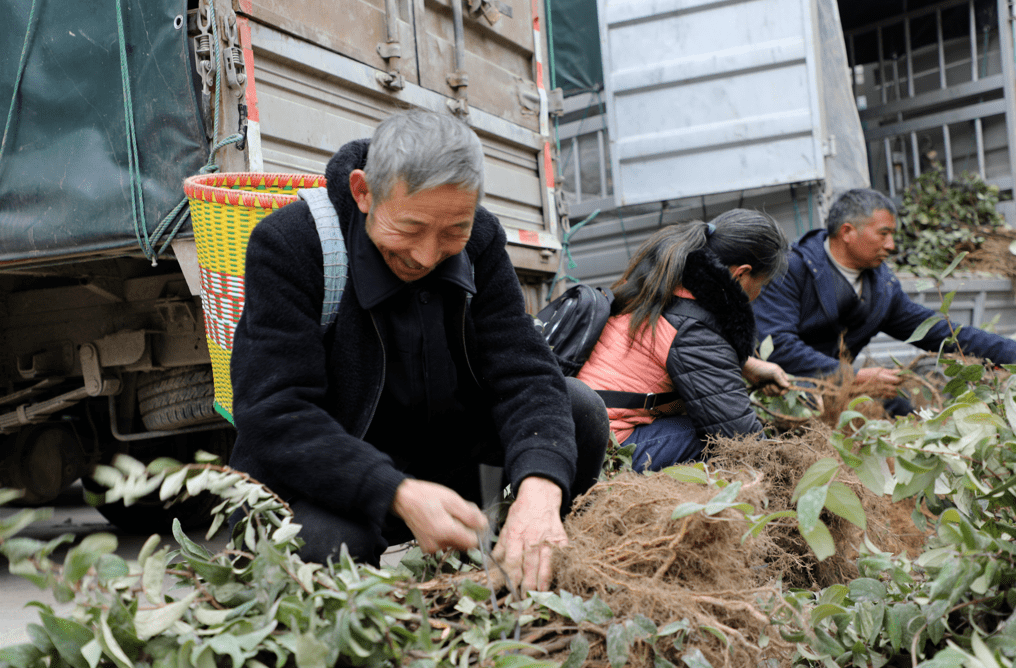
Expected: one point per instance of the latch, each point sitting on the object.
(555, 102)
(391, 49)
(528, 94)
(829, 147)
(492, 10)
(201, 42)
(236, 76)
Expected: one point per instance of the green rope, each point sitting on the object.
(17, 81)
(133, 157)
(180, 213)
(566, 247)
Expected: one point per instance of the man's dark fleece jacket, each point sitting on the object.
(303, 399)
(800, 312)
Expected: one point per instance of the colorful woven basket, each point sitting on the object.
(224, 209)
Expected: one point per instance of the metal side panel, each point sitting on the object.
(311, 101)
(355, 28)
(708, 97)
(498, 58)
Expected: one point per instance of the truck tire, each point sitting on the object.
(177, 398)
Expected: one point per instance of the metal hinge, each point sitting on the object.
(829, 147)
(555, 102)
(492, 10)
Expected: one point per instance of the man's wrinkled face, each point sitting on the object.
(869, 246)
(415, 233)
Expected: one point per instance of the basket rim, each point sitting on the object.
(220, 187)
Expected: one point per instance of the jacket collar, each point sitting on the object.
(351, 156)
(719, 294)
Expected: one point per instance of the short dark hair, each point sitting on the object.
(856, 207)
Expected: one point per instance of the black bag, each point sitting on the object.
(572, 325)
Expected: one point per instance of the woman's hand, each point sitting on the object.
(771, 377)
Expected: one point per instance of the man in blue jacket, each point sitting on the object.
(373, 429)
(838, 286)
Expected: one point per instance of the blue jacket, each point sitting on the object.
(799, 311)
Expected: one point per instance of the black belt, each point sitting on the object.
(615, 399)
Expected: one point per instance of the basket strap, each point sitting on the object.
(333, 246)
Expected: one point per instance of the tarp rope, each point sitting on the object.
(566, 247)
(145, 240)
(17, 81)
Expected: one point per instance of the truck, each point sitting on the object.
(112, 105)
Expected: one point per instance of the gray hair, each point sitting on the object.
(856, 207)
(425, 150)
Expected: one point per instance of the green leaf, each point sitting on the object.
(720, 635)
(111, 566)
(818, 474)
(618, 642)
(809, 507)
(867, 589)
(946, 303)
(820, 612)
(92, 651)
(153, 574)
(150, 623)
(765, 349)
(694, 658)
(190, 548)
(475, 591)
(21, 656)
(820, 541)
(842, 501)
(923, 329)
(723, 500)
(874, 474)
(683, 473)
(685, 509)
(110, 646)
(756, 528)
(310, 652)
(578, 651)
(948, 270)
(674, 627)
(597, 611)
(68, 638)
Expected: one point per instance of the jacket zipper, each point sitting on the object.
(381, 385)
(465, 348)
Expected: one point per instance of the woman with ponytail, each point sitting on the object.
(682, 324)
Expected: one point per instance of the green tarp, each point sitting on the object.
(576, 45)
(64, 180)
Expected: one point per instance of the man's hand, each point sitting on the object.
(879, 382)
(524, 548)
(771, 376)
(438, 517)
